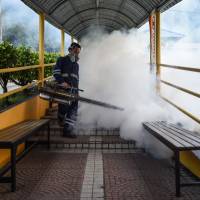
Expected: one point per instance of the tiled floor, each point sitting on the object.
(93, 185)
(137, 176)
(94, 174)
(47, 176)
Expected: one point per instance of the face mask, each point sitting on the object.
(72, 57)
(77, 58)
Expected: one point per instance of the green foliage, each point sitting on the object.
(11, 56)
(49, 58)
(8, 58)
(25, 57)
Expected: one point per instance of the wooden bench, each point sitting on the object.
(12, 147)
(177, 139)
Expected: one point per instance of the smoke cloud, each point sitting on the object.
(114, 69)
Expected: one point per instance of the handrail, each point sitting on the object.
(20, 89)
(47, 78)
(182, 89)
(192, 69)
(182, 110)
(50, 64)
(15, 69)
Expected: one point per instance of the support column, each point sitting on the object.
(151, 44)
(1, 22)
(152, 31)
(158, 50)
(41, 47)
(62, 48)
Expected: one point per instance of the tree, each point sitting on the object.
(50, 58)
(25, 57)
(8, 58)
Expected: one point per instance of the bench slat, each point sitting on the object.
(11, 133)
(6, 134)
(160, 135)
(197, 136)
(21, 130)
(173, 137)
(185, 136)
(8, 131)
(26, 130)
(187, 142)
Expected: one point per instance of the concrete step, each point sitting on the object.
(52, 117)
(52, 109)
(56, 130)
(87, 142)
(51, 113)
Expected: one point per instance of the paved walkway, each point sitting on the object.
(73, 174)
(47, 176)
(137, 176)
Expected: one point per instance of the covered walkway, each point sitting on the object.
(98, 164)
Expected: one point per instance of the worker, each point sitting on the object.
(66, 74)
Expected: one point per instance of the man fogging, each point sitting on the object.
(66, 73)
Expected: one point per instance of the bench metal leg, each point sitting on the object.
(5, 180)
(13, 168)
(48, 135)
(177, 173)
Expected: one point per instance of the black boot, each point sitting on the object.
(67, 132)
(69, 135)
(60, 121)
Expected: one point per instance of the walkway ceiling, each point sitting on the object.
(76, 17)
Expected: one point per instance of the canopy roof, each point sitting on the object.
(77, 16)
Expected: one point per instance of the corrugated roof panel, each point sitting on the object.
(137, 8)
(121, 20)
(89, 14)
(88, 29)
(111, 3)
(109, 14)
(63, 11)
(147, 4)
(94, 22)
(133, 10)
